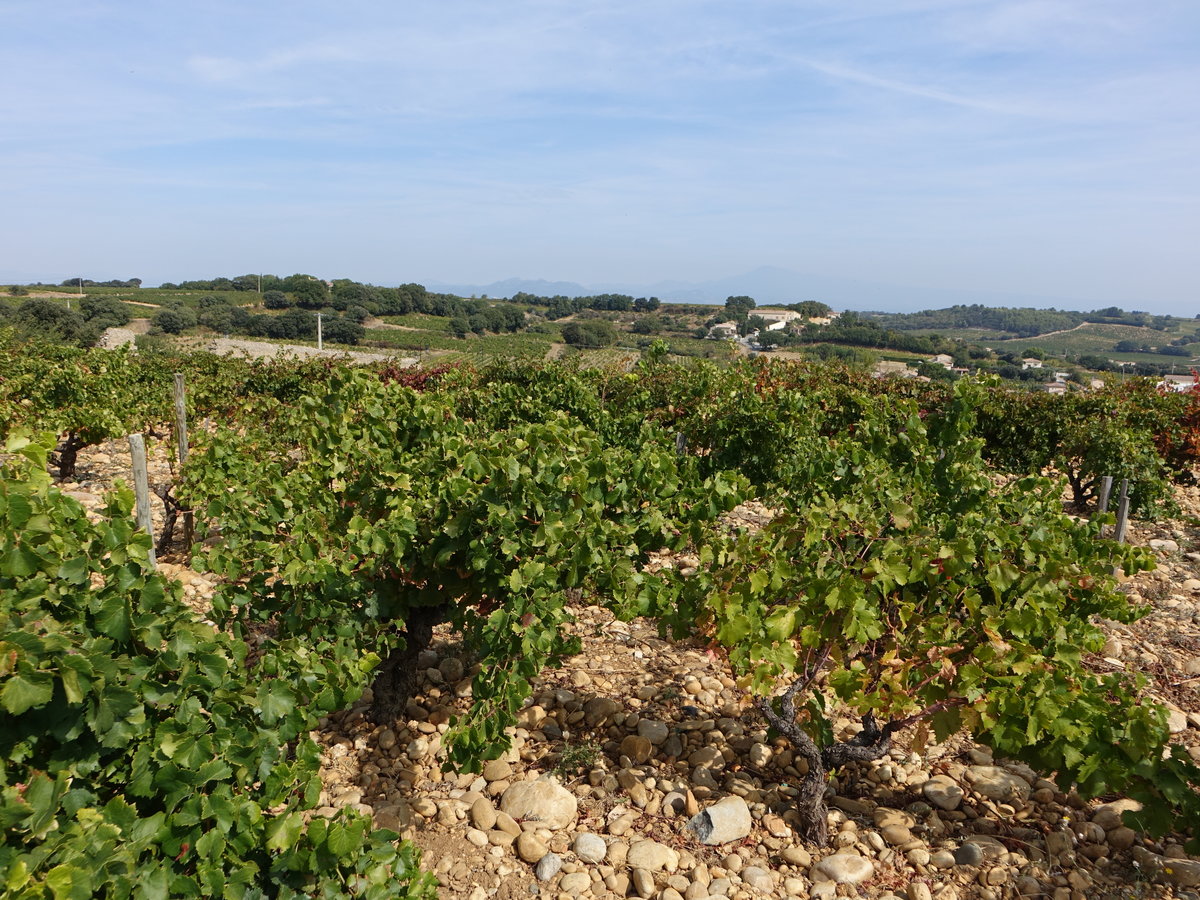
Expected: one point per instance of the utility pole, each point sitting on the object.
(320, 341)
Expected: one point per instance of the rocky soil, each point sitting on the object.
(118, 337)
(639, 770)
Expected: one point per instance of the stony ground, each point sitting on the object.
(118, 337)
(619, 750)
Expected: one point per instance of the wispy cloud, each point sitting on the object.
(928, 93)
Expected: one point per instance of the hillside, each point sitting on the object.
(416, 323)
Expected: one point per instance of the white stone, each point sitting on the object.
(760, 754)
(724, 821)
(547, 867)
(652, 856)
(843, 868)
(997, 784)
(575, 883)
(943, 792)
(543, 801)
(590, 848)
(757, 878)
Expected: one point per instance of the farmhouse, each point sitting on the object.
(1177, 383)
(777, 319)
(723, 331)
(886, 368)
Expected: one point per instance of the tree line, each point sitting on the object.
(1016, 321)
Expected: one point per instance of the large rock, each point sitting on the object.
(398, 817)
(543, 801)
(997, 784)
(943, 792)
(1179, 872)
(652, 856)
(843, 867)
(724, 821)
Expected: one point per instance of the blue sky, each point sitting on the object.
(1048, 147)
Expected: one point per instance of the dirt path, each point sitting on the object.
(379, 323)
(1047, 334)
(267, 350)
(54, 295)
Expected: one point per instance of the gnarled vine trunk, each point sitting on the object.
(67, 454)
(869, 744)
(396, 680)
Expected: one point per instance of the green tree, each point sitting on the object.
(174, 319)
(104, 312)
(593, 333)
(739, 307)
(751, 324)
(934, 371)
(770, 339)
(45, 318)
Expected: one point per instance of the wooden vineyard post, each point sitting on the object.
(181, 447)
(680, 443)
(141, 490)
(320, 334)
(1122, 511)
(1105, 493)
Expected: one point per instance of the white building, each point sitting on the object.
(1178, 383)
(777, 319)
(723, 331)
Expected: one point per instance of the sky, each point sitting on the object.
(1044, 147)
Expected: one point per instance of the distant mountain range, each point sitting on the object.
(771, 284)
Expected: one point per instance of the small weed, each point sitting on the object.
(574, 757)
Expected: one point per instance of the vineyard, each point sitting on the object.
(402, 565)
